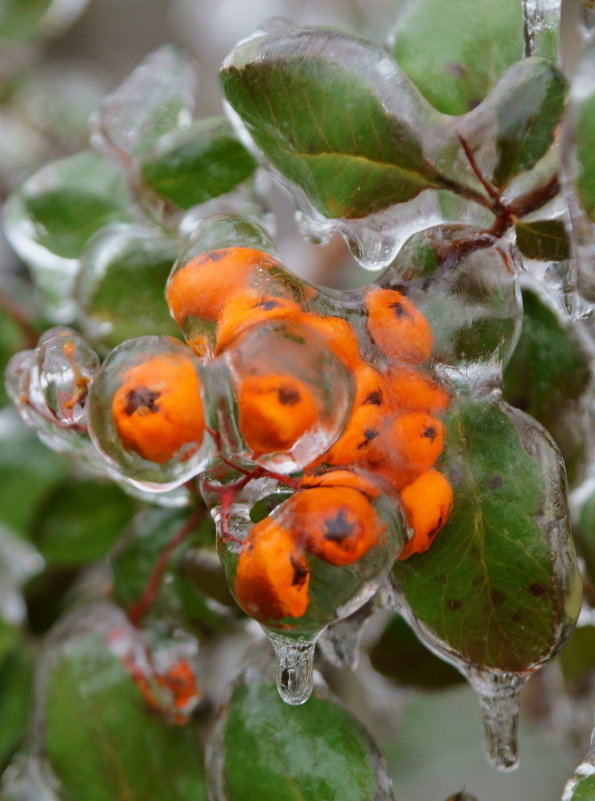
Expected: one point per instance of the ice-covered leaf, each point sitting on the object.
(546, 240)
(457, 62)
(520, 116)
(400, 656)
(66, 201)
(16, 690)
(585, 533)
(101, 739)
(314, 752)
(542, 27)
(584, 790)
(499, 586)
(78, 521)
(19, 19)
(27, 470)
(548, 375)
(121, 286)
(157, 97)
(583, 133)
(333, 114)
(577, 660)
(197, 163)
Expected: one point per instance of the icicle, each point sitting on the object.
(295, 666)
(498, 693)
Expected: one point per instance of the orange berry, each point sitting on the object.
(341, 478)
(427, 503)
(406, 447)
(274, 412)
(181, 682)
(397, 326)
(201, 287)
(272, 575)
(410, 389)
(244, 310)
(369, 387)
(158, 409)
(338, 335)
(336, 524)
(364, 425)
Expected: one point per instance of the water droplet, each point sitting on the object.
(295, 666)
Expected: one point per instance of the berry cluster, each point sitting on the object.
(281, 378)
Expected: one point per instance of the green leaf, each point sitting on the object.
(121, 287)
(577, 660)
(265, 506)
(314, 752)
(455, 63)
(545, 240)
(583, 133)
(584, 790)
(334, 115)
(16, 691)
(19, 19)
(585, 534)
(490, 586)
(78, 521)
(102, 740)
(197, 163)
(68, 200)
(400, 656)
(548, 375)
(527, 103)
(157, 97)
(27, 470)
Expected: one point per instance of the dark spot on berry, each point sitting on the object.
(537, 589)
(288, 396)
(455, 604)
(142, 398)
(496, 482)
(498, 597)
(267, 305)
(375, 398)
(430, 433)
(217, 255)
(399, 310)
(338, 528)
(369, 435)
(300, 573)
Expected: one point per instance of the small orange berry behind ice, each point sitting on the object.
(397, 326)
(147, 412)
(291, 395)
(427, 503)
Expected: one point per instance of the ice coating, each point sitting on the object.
(584, 770)
(295, 667)
(542, 23)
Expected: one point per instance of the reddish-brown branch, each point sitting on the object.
(137, 611)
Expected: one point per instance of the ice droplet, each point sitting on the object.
(340, 642)
(583, 771)
(542, 23)
(498, 693)
(295, 666)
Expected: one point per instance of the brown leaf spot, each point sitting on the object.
(455, 604)
(537, 589)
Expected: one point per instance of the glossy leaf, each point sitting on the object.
(27, 470)
(101, 739)
(121, 287)
(400, 656)
(334, 115)
(19, 19)
(314, 752)
(69, 199)
(518, 119)
(463, 589)
(456, 63)
(584, 790)
(78, 521)
(157, 97)
(545, 240)
(583, 135)
(585, 533)
(548, 375)
(197, 163)
(16, 691)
